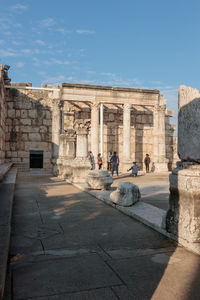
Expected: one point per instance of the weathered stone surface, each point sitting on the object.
(99, 180)
(183, 217)
(188, 124)
(80, 169)
(126, 194)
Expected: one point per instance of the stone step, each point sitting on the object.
(7, 189)
(4, 168)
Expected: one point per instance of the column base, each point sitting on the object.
(183, 216)
(159, 167)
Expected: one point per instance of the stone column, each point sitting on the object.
(159, 156)
(95, 129)
(67, 151)
(55, 130)
(126, 137)
(81, 165)
(183, 216)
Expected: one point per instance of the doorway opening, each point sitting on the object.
(36, 159)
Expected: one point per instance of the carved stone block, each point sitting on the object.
(99, 180)
(126, 194)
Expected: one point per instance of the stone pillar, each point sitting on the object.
(81, 165)
(183, 216)
(159, 153)
(67, 151)
(126, 137)
(55, 129)
(95, 129)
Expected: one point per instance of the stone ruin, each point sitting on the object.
(183, 217)
(53, 126)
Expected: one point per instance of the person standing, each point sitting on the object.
(109, 164)
(91, 159)
(100, 162)
(115, 163)
(147, 161)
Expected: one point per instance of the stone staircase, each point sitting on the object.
(8, 175)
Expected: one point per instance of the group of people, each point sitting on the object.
(113, 163)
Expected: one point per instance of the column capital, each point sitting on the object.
(127, 106)
(95, 105)
(158, 107)
(82, 126)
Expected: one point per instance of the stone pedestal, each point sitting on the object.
(99, 180)
(160, 162)
(127, 162)
(81, 165)
(126, 194)
(183, 216)
(66, 152)
(80, 169)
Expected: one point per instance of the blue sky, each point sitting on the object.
(132, 43)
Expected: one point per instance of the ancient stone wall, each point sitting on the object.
(29, 126)
(2, 116)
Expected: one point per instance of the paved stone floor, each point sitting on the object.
(66, 244)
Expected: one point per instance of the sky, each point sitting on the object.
(150, 44)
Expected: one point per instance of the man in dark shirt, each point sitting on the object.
(147, 161)
(115, 163)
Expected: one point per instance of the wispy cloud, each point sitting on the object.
(20, 64)
(8, 53)
(84, 31)
(40, 42)
(18, 8)
(56, 62)
(2, 42)
(54, 80)
(49, 22)
(64, 31)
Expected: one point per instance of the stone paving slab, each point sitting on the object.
(72, 275)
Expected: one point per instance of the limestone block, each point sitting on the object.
(188, 124)
(47, 122)
(32, 113)
(34, 137)
(11, 113)
(126, 194)
(25, 121)
(43, 129)
(48, 114)
(99, 180)
(18, 113)
(23, 154)
(24, 113)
